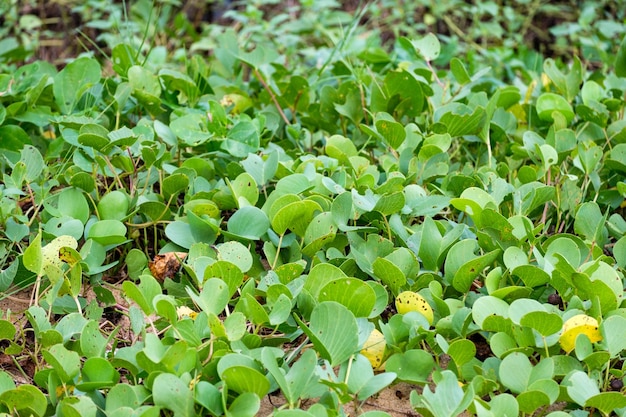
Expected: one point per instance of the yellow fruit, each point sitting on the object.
(374, 348)
(579, 324)
(411, 301)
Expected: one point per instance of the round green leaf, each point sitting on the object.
(98, 373)
(245, 190)
(333, 331)
(242, 379)
(107, 232)
(320, 231)
(488, 306)
(295, 216)
(170, 392)
(242, 139)
(72, 203)
(235, 253)
(26, 398)
(547, 103)
(248, 222)
(353, 293)
(613, 329)
(174, 184)
(412, 366)
(59, 226)
(192, 128)
(93, 136)
(66, 363)
(606, 401)
(113, 206)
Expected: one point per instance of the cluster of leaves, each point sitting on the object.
(288, 186)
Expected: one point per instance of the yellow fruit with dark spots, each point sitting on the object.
(579, 324)
(411, 301)
(374, 348)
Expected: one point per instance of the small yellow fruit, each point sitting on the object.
(411, 301)
(579, 324)
(374, 348)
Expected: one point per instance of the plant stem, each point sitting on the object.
(272, 95)
(280, 241)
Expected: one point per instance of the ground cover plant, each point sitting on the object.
(314, 202)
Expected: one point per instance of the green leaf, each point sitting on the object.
(340, 148)
(7, 330)
(589, 221)
(261, 170)
(412, 366)
(144, 293)
(245, 190)
(462, 351)
(461, 120)
(466, 274)
(235, 326)
(242, 139)
(568, 85)
(281, 310)
(428, 46)
(515, 372)
(174, 184)
(213, 297)
(389, 273)
(72, 202)
(107, 232)
(606, 401)
(458, 70)
(65, 363)
(620, 59)
(25, 398)
(235, 253)
(613, 328)
(333, 331)
(73, 81)
(295, 216)
(146, 88)
(430, 245)
(125, 395)
(392, 132)
(31, 157)
(78, 407)
(448, 398)
(580, 387)
(489, 306)
(245, 405)
(208, 396)
(170, 392)
(97, 373)
(33, 257)
(242, 379)
(112, 206)
(353, 293)
(320, 275)
(321, 230)
(545, 323)
(227, 272)
(353, 107)
(530, 401)
(92, 343)
(192, 129)
(123, 57)
(253, 310)
(548, 103)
